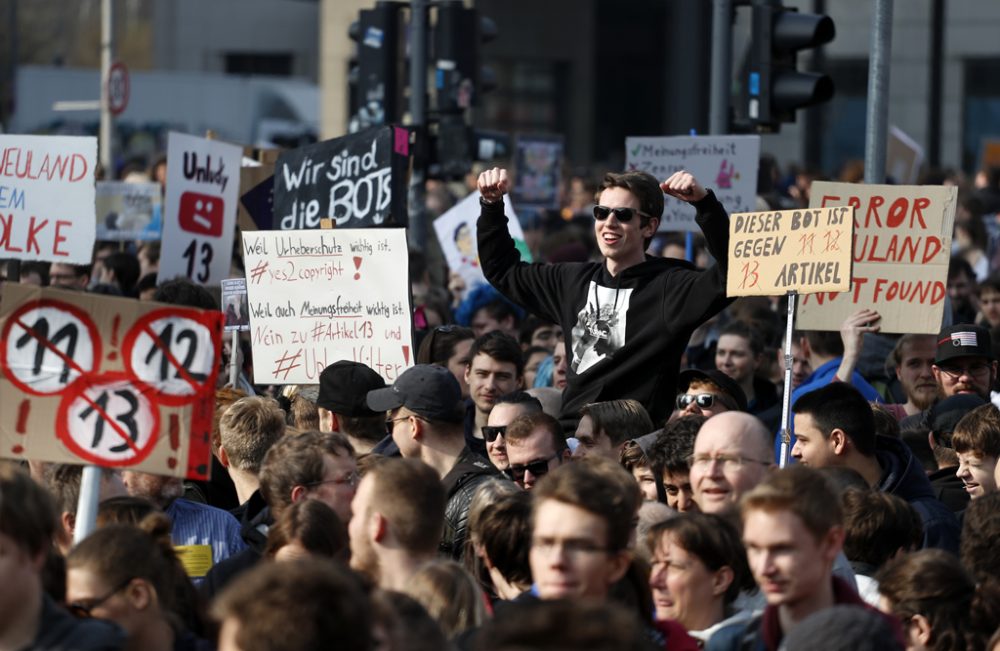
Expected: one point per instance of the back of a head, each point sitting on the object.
(297, 606)
(248, 429)
(449, 594)
(563, 625)
(409, 494)
(504, 532)
(438, 346)
(980, 533)
(181, 291)
(27, 513)
(800, 490)
(314, 526)
(620, 420)
(297, 460)
(877, 525)
(825, 343)
(597, 485)
(839, 405)
(405, 623)
(843, 628)
(124, 509)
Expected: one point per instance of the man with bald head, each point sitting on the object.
(732, 454)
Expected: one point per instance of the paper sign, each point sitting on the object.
(903, 157)
(234, 304)
(128, 211)
(203, 180)
(320, 296)
(107, 381)
(457, 234)
(47, 198)
(539, 171)
(902, 245)
(775, 252)
(726, 165)
(358, 181)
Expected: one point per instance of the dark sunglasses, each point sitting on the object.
(624, 215)
(537, 469)
(704, 400)
(490, 432)
(82, 609)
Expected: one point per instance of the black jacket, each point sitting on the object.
(460, 484)
(625, 335)
(949, 489)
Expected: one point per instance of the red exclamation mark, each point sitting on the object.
(114, 337)
(406, 355)
(357, 266)
(21, 427)
(175, 439)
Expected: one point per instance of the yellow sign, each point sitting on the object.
(775, 252)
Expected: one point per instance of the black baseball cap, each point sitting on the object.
(344, 387)
(724, 382)
(963, 340)
(945, 414)
(427, 390)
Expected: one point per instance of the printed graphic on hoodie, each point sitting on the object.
(600, 326)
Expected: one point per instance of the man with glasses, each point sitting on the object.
(835, 427)
(508, 407)
(628, 318)
(425, 416)
(732, 454)
(535, 445)
(707, 393)
(964, 362)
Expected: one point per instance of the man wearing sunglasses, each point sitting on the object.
(707, 393)
(508, 407)
(535, 445)
(627, 318)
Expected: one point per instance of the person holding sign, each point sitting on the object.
(629, 317)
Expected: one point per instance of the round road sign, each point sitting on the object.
(118, 88)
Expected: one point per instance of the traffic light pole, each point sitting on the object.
(722, 63)
(877, 122)
(417, 231)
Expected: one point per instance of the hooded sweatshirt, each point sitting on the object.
(625, 334)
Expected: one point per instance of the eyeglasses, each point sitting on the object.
(536, 468)
(624, 215)
(350, 480)
(571, 547)
(83, 609)
(704, 400)
(955, 372)
(728, 461)
(491, 432)
(390, 423)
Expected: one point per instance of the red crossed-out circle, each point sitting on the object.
(75, 313)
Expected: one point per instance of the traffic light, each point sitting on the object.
(775, 87)
(459, 78)
(379, 75)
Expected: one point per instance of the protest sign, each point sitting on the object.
(107, 381)
(903, 157)
(725, 164)
(47, 198)
(538, 166)
(320, 296)
(203, 178)
(128, 211)
(358, 181)
(806, 251)
(234, 304)
(456, 232)
(902, 244)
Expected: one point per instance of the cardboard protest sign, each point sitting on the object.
(358, 181)
(902, 244)
(725, 164)
(128, 211)
(775, 252)
(234, 304)
(47, 198)
(320, 296)
(107, 381)
(903, 157)
(456, 232)
(538, 162)
(203, 179)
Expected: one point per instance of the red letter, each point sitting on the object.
(873, 207)
(897, 212)
(918, 211)
(33, 234)
(59, 238)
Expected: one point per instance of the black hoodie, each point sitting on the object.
(625, 335)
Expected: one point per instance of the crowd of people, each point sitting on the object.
(586, 455)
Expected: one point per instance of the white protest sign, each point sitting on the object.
(320, 296)
(727, 165)
(203, 182)
(903, 157)
(456, 232)
(128, 211)
(47, 198)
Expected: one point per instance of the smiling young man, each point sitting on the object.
(495, 369)
(628, 318)
(976, 440)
